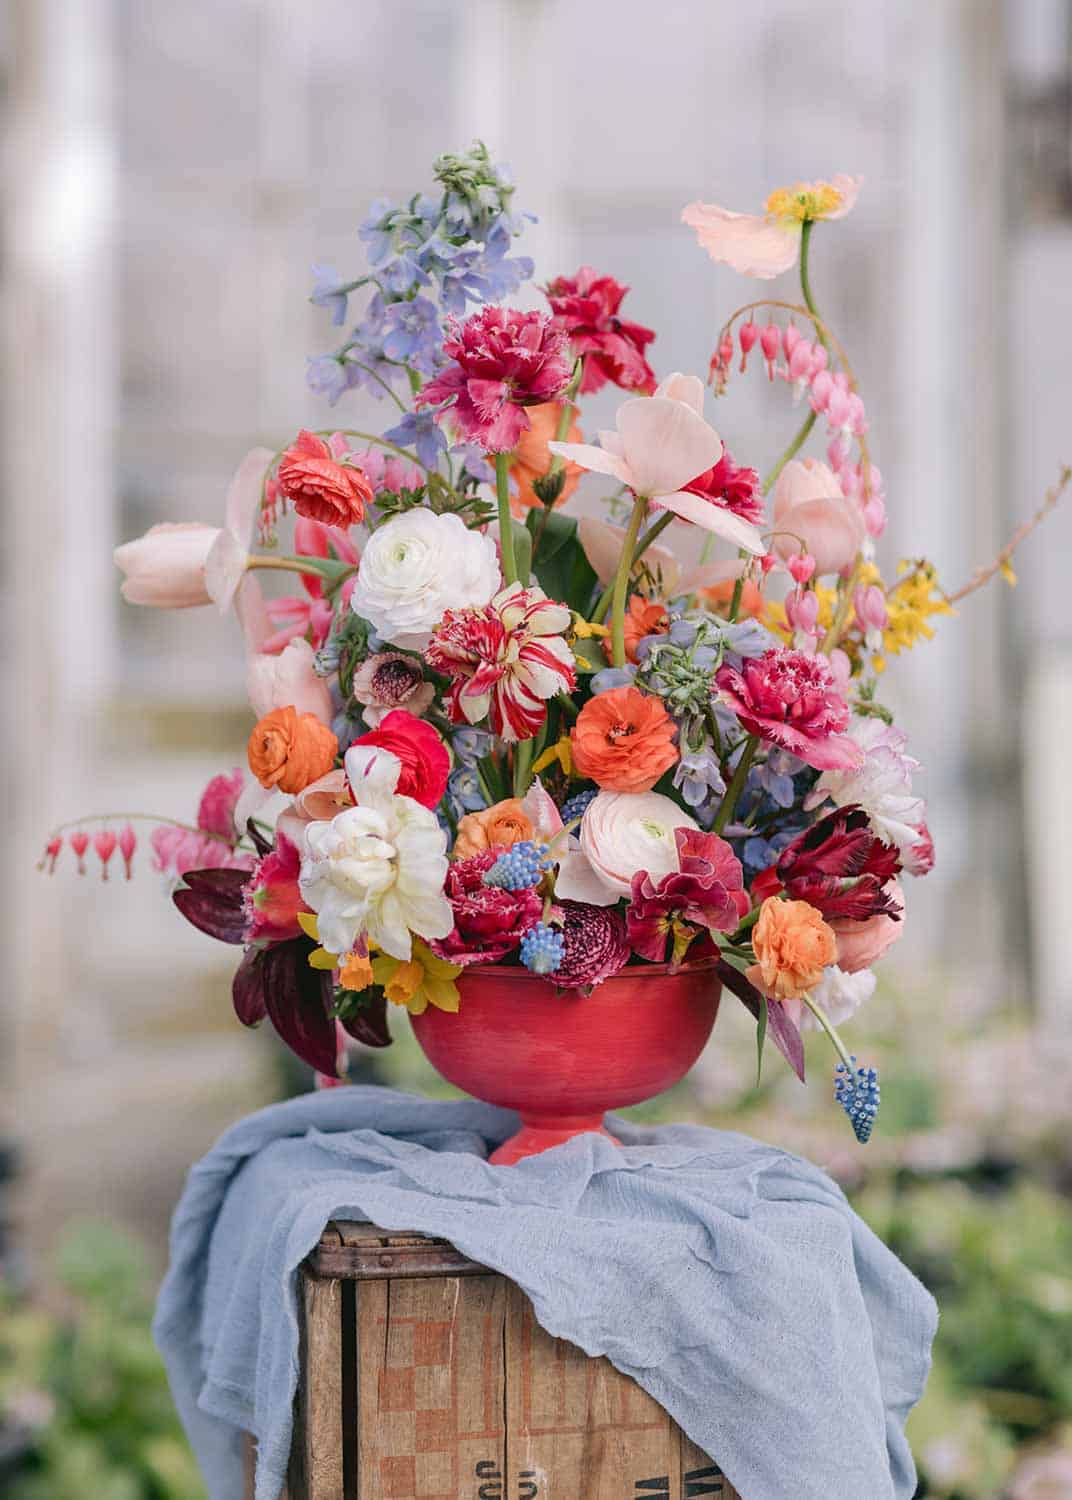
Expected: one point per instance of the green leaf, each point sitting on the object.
(522, 551)
(562, 570)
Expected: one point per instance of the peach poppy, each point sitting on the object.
(504, 824)
(531, 458)
(623, 740)
(288, 750)
(793, 945)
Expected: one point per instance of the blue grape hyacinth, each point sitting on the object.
(518, 868)
(542, 949)
(858, 1094)
(576, 806)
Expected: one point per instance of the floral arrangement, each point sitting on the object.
(490, 731)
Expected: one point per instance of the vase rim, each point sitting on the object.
(696, 966)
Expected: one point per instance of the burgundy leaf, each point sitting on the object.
(247, 989)
(297, 999)
(780, 1028)
(368, 1023)
(260, 843)
(224, 883)
(220, 913)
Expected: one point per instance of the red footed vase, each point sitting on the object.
(562, 1058)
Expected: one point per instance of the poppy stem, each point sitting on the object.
(621, 581)
(506, 520)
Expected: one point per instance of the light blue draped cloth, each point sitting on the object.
(729, 1279)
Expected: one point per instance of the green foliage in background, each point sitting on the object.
(88, 1385)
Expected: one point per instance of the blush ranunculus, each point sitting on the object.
(501, 826)
(861, 944)
(287, 750)
(489, 922)
(424, 758)
(811, 511)
(623, 833)
(793, 945)
(623, 740)
(792, 701)
(311, 477)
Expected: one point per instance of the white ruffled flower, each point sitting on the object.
(882, 785)
(621, 835)
(376, 870)
(415, 567)
(840, 995)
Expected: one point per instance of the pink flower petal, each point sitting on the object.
(686, 388)
(666, 444)
(849, 188)
(752, 244)
(597, 460)
(713, 518)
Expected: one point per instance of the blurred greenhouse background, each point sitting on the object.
(170, 174)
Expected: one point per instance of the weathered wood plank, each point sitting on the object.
(317, 1450)
(701, 1477)
(360, 1251)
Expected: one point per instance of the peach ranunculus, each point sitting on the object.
(288, 751)
(793, 945)
(861, 944)
(765, 245)
(531, 459)
(810, 510)
(623, 740)
(643, 617)
(318, 481)
(318, 803)
(504, 824)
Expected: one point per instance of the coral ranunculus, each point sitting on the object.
(585, 307)
(489, 922)
(500, 826)
(287, 750)
(793, 945)
(319, 486)
(643, 617)
(502, 361)
(624, 740)
(792, 700)
(531, 459)
(424, 758)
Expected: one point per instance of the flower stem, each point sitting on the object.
(621, 581)
(736, 786)
(316, 567)
(136, 817)
(522, 767)
(809, 302)
(565, 416)
(506, 520)
(831, 1031)
(654, 531)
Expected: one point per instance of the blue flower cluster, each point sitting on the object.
(576, 806)
(543, 948)
(518, 868)
(428, 257)
(859, 1095)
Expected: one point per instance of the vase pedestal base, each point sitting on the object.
(541, 1132)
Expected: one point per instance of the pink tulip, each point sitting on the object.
(861, 944)
(810, 510)
(289, 678)
(165, 568)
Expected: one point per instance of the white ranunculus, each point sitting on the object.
(416, 566)
(622, 834)
(376, 870)
(840, 995)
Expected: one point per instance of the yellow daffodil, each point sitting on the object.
(418, 982)
(561, 752)
(355, 969)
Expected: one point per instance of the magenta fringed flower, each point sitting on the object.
(595, 945)
(586, 307)
(792, 700)
(706, 891)
(736, 490)
(503, 361)
(505, 660)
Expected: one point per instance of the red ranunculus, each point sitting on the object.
(586, 306)
(706, 892)
(425, 758)
(489, 922)
(320, 487)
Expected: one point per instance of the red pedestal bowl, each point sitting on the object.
(561, 1058)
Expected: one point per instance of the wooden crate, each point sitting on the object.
(426, 1377)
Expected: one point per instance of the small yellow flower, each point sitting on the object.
(355, 971)
(1008, 574)
(585, 630)
(562, 753)
(418, 982)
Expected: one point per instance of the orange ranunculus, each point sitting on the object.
(793, 945)
(288, 750)
(504, 824)
(643, 617)
(720, 595)
(532, 458)
(623, 740)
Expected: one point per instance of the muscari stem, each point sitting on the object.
(621, 581)
(506, 520)
(828, 1026)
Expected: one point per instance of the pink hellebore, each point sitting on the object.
(765, 245)
(178, 565)
(793, 701)
(660, 445)
(811, 510)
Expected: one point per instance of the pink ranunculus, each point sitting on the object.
(765, 245)
(489, 922)
(272, 898)
(706, 891)
(502, 361)
(585, 307)
(792, 700)
(596, 946)
(810, 510)
(288, 679)
(861, 944)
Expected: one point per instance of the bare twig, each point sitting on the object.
(983, 575)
